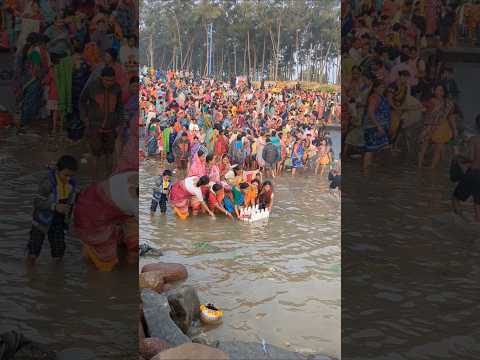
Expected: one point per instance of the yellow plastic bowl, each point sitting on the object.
(210, 316)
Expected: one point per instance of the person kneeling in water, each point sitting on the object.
(106, 216)
(239, 196)
(216, 196)
(189, 194)
(265, 198)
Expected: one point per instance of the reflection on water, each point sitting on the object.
(277, 280)
(66, 305)
(410, 283)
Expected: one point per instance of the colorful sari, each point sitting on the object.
(374, 141)
(197, 168)
(214, 174)
(436, 127)
(102, 230)
(181, 200)
(166, 140)
(297, 161)
(31, 91)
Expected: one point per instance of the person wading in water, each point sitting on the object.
(469, 185)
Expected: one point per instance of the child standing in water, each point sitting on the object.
(161, 190)
(52, 209)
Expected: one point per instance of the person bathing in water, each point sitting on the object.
(188, 194)
(265, 198)
(161, 190)
(52, 209)
(215, 201)
(469, 185)
(335, 177)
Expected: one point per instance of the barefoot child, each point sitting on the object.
(161, 190)
(52, 208)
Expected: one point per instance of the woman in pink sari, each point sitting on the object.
(188, 194)
(213, 169)
(198, 167)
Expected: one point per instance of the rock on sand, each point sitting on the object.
(156, 311)
(171, 272)
(192, 351)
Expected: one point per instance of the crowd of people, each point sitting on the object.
(396, 95)
(223, 139)
(69, 54)
(76, 74)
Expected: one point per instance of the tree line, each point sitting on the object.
(270, 39)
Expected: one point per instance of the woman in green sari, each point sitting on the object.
(28, 76)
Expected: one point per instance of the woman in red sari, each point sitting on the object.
(224, 166)
(189, 194)
(113, 222)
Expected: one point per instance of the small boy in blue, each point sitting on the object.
(52, 209)
(162, 188)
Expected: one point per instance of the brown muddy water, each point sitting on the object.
(277, 280)
(410, 268)
(70, 305)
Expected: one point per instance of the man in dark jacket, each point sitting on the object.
(101, 107)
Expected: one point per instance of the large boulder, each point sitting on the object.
(192, 351)
(151, 280)
(185, 306)
(156, 312)
(171, 271)
(149, 347)
(238, 350)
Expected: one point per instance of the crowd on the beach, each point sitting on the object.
(76, 74)
(222, 138)
(398, 96)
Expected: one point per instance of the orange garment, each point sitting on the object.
(251, 196)
(91, 53)
(182, 215)
(177, 127)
